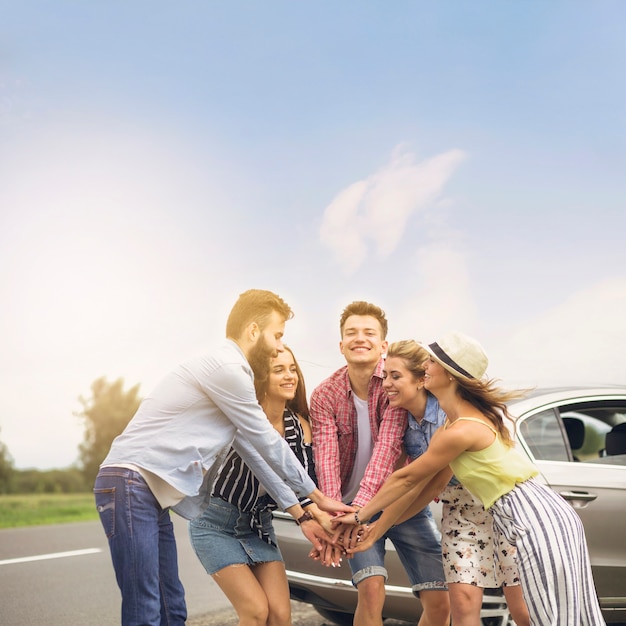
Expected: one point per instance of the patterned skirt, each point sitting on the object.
(474, 552)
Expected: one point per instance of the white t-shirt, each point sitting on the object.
(364, 449)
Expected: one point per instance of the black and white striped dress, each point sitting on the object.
(237, 484)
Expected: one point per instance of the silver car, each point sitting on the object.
(577, 439)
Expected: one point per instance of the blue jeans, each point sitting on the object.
(143, 549)
(418, 544)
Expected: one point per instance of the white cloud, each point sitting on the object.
(341, 230)
(378, 208)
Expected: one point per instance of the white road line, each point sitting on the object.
(54, 555)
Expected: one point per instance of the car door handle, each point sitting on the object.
(578, 495)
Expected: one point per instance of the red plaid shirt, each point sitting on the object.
(334, 424)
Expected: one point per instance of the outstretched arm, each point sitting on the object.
(328, 504)
(430, 491)
(444, 448)
(410, 504)
(350, 533)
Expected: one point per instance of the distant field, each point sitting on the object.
(38, 509)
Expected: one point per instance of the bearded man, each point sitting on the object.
(169, 454)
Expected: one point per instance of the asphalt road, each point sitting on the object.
(79, 589)
(62, 575)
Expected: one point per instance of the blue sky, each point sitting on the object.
(461, 164)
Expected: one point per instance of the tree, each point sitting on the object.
(106, 414)
(70, 480)
(6, 469)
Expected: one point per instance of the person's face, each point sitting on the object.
(283, 377)
(401, 386)
(362, 341)
(436, 377)
(268, 344)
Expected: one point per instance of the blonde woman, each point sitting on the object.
(475, 555)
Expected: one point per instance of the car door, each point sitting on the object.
(594, 485)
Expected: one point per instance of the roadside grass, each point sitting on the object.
(46, 508)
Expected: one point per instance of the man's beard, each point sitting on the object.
(259, 359)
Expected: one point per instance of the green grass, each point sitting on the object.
(37, 509)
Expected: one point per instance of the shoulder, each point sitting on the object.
(226, 354)
(337, 382)
(379, 371)
(469, 430)
(434, 412)
(395, 414)
(452, 439)
(296, 426)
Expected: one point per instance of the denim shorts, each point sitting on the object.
(222, 536)
(418, 544)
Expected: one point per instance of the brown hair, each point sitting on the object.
(491, 401)
(298, 404)
(411, 353)
(359, 307)
(255, 305)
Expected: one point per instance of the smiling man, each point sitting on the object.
(169, 454)
(357, 441)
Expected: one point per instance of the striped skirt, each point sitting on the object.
(553, 558)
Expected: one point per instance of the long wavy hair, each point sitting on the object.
(491, 401)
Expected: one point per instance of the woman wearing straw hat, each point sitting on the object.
(477, 447)
(475, 556)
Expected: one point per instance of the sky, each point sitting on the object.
(460, 164)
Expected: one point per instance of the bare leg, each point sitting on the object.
(244, 593)
(273, 580)
(517, 605)
(466, 601)
(436, 605)
(369, 610)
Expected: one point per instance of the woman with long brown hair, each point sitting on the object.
(234, 537)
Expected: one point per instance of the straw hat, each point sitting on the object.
(460, 355)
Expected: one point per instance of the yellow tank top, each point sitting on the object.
(493, 471)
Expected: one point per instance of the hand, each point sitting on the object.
(364, 541)
(332, 506)
(330, 555)
(347, 519)
(350, 536)
(312, 530)
(323, 518)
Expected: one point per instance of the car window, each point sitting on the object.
(591, 444)
(543, 434)
(596, 420)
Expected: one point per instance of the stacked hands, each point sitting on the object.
(343, 535)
